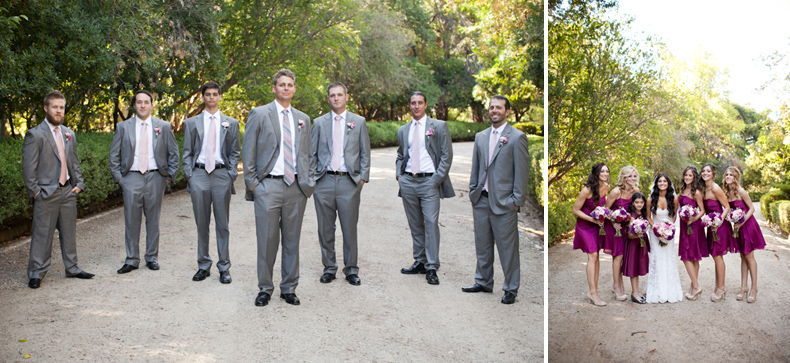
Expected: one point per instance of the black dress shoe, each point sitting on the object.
(327, 278)
(201, 275)
(432, 278)
(353, 280)
(416, 268)
(509, 298)
(153, 265)
(476, 288)
(126, 269)
(290, 298)
(34, 283)
(83, 275)
(224, 277)
(640, 301)
(262, 299)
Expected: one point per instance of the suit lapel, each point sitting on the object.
(133, 134)
(349, 119)
(154, 125)
(200, 130)
(50, 139)
(296, 132)
(274, 119)
(499, 144)
(428, 127)
(222, 132)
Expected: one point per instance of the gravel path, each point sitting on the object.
(165, 316)
(687, 331)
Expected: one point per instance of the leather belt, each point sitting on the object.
(203, 166)
(420, 175)
(273, 176)
(147, 171)
(341, 173)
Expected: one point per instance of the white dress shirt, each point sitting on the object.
(206, 123)
(426, 163)
(52, 132)
(279, 165)
(343, 167)
(137, 128)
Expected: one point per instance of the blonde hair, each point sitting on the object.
(624, 173)
(731, 189)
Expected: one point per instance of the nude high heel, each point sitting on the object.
(751, 298)
(594, 302)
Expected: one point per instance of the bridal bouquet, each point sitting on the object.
(639, 226)
(686, 213)
(599, 214)
(665, 232)
(619, 216)
(736, 216)
(712, 220)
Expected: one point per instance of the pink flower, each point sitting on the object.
(351, 125)
(158, 130)
(429, 132)
(503, 140)
(301, 124)
(225, 124)
(68, 136)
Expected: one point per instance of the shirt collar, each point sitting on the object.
(207, 115)
(422, 120)
(140, 121)
(51, 127)
(342, 115)
(280, 108)
(500, 128)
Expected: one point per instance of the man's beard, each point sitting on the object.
(55, 122)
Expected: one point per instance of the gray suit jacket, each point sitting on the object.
(356, 146)
(124, 143)
(440, 148)
(41, 162)
(261, 147)
(229, 145)
(508, 171)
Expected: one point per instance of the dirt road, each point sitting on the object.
(687, 331)
(165, 316)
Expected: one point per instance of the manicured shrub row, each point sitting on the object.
(767, 199)
(780, 210)
(561, 220)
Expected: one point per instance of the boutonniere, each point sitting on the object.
(301, 124)
(503, 140)
(158, 130)
(225, 124)
(429, 133)
(68, 136)
(351, 125)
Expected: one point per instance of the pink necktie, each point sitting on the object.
(491, 148)
(62, 154)
(415, 148)
(142, 155)
(337, 143)
(288, 158)
(211, 148)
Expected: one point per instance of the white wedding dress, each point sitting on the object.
(663, 281)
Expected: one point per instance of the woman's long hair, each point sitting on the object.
(632, 209)
(670, 195)
(624, 173)
(712, 169)
(696, 184)
(731, 190)
(592, 181)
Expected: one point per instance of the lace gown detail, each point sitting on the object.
(663, 281)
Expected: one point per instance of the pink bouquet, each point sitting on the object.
(686, 213)
(736, 216)
(618, 216)
(639, 226)
(599, 214)
(665, 232)
(712, 220)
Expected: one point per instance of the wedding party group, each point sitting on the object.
(286, 159)
(645, 231)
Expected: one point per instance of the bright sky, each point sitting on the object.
(737, 33)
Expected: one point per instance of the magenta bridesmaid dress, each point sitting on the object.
(720, 247)
(694, 246)
(750, 237)
(636, 260)
(587, 238)
(613, 245)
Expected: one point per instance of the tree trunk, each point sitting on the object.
(441, 109)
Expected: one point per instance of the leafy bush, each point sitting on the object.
(767, 199)
(529, 129)
(561, 219)
(782, 212)
(535, 187)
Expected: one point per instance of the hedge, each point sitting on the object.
(766, 200)
(781, 210)
(529, 129)
(93, 149)
(561, 219)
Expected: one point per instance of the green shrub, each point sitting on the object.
(766, 200)
(781, 209)
(755, 196)
(529, 129)
(561, 219)
(535, 187)
(93, 149)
